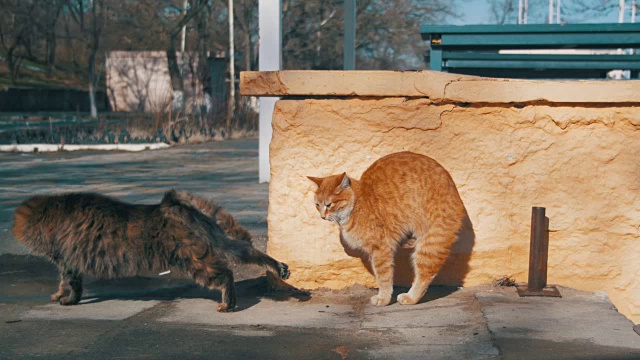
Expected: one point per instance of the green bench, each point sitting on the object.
(474, 49)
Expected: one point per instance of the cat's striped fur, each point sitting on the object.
(400, 197)
(92, 234)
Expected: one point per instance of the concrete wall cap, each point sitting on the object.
(437, 86)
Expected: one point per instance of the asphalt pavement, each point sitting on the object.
(162, 317)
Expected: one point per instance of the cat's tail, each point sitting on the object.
(178, 207)
(208, 207)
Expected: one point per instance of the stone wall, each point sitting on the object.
(572, 147)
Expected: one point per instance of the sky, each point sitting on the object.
(477, 12)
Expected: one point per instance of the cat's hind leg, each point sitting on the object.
(383, 266)
(207, 269)
(224, 281)
(431, 252)
(221, 278)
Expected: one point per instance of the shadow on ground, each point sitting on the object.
(38, 279)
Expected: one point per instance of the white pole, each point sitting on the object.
(621, 13)
(634, 7)
(520, 11)
(558, 11)
(184, 28)
(349, 48)
(526, 11)
(551, 11)
(232, 67)
(270, 23)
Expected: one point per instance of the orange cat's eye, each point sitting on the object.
(329, 205)
(317, 205)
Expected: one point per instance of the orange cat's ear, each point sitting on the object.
(316, 180)
(344, 183)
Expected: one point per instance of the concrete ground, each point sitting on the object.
(165, 318)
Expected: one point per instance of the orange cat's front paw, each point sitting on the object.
(378, 300)
(406, 299)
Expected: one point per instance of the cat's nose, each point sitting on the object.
(324, 217)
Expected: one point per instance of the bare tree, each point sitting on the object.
(581, 10)
(74, 34)
(14, 28)
(503, 11)
(387, 33)
(47, 24)
(89, 15)
(195, 6)
(392, 31)
(246, 15)
(312, 34)
(11, 45)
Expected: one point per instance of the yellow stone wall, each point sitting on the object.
(579, 160)
(570, 146)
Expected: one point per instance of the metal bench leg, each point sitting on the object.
(435, 59)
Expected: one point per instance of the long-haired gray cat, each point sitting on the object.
(92, 234)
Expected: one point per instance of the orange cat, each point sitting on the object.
(400, 196)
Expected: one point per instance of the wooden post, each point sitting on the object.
(538, 256)
(435, 58)
(538, 250)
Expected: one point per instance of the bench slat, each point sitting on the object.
(616, 28)
(530, 41)
(537, 64)
(454, 55)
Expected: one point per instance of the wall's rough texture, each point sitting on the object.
(581, 162)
